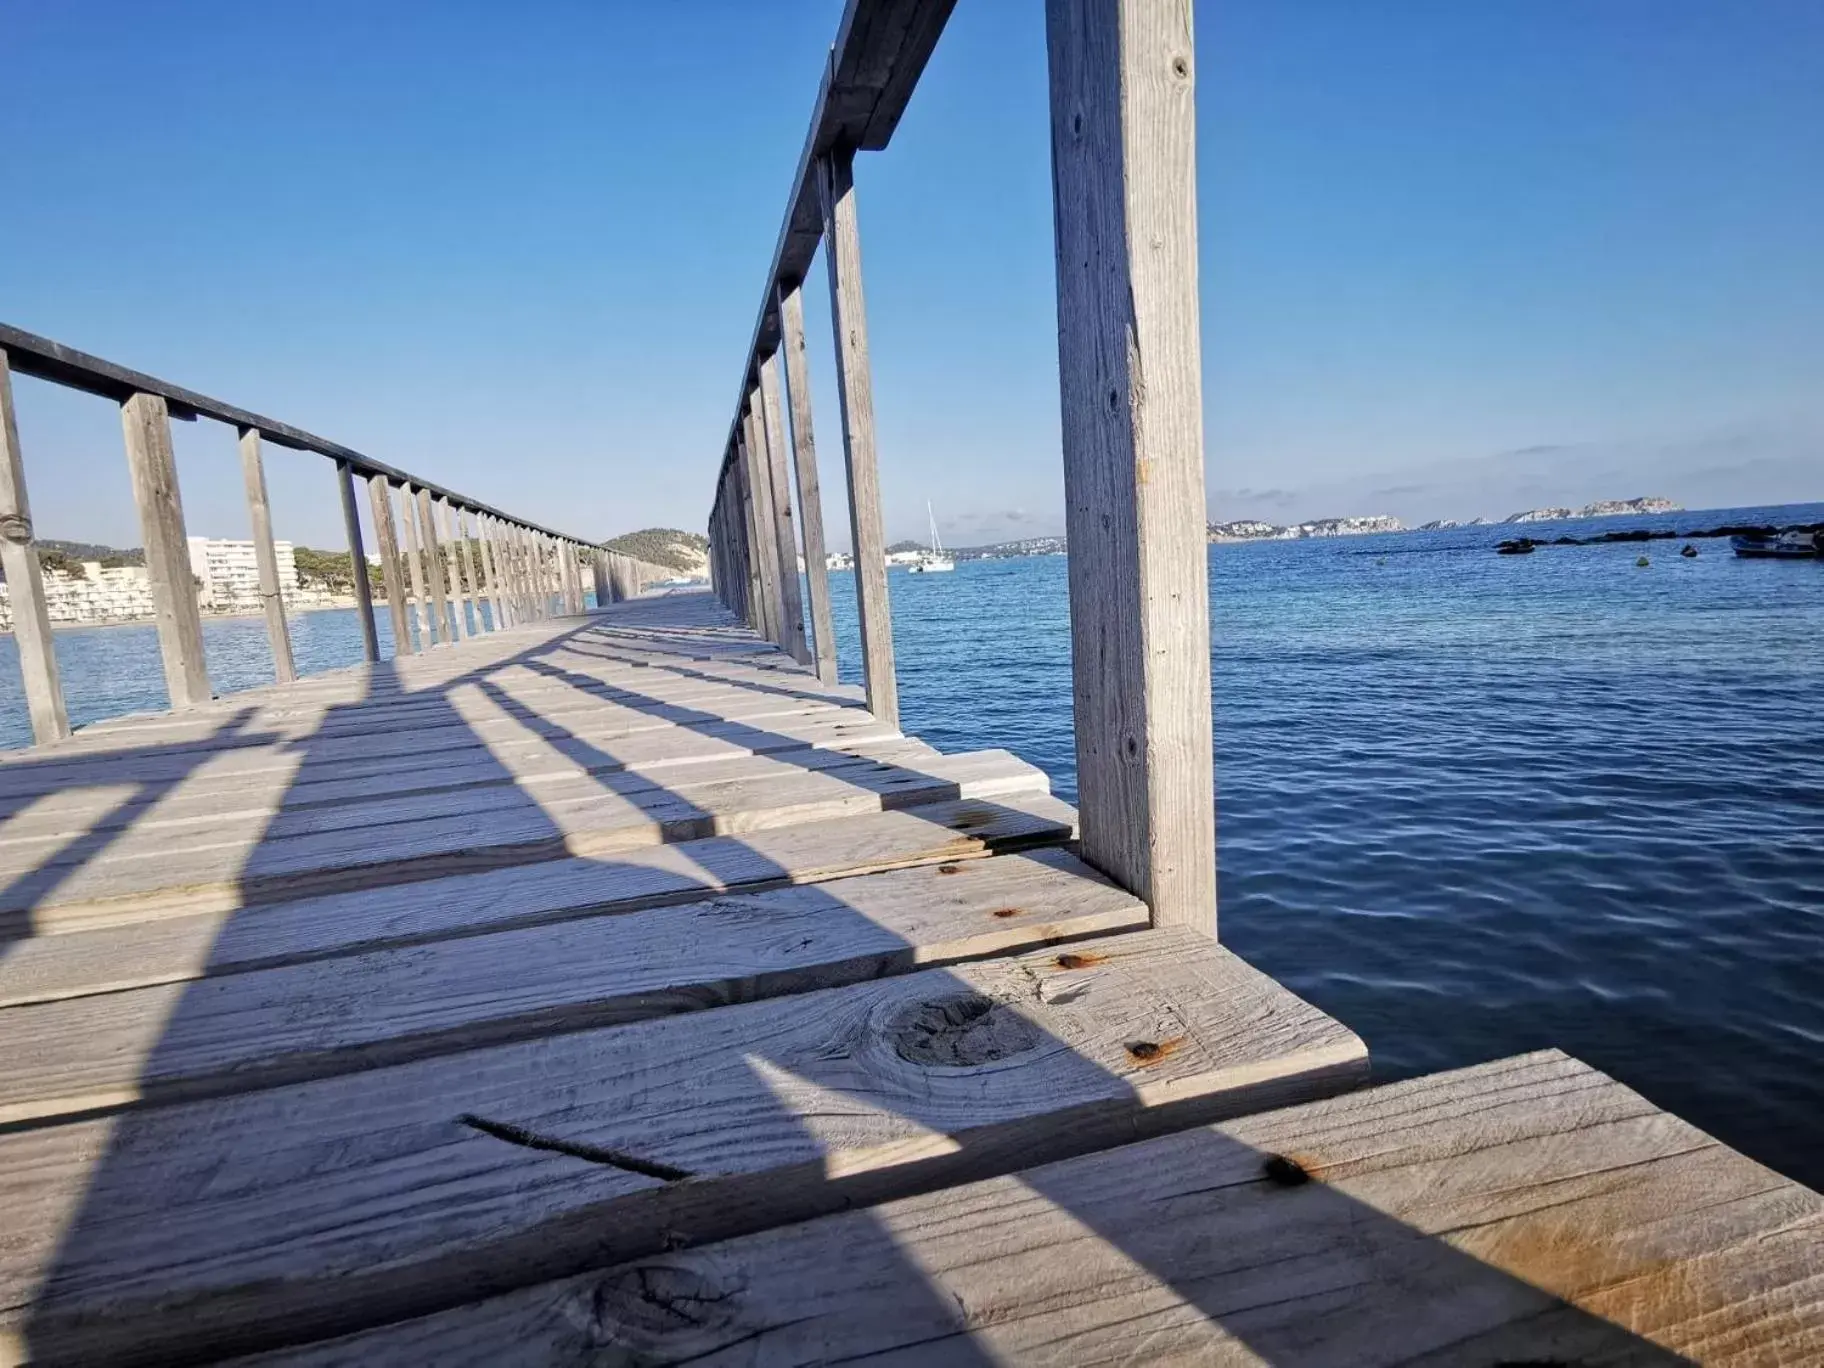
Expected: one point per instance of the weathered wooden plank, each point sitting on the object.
(804, 466)
(272, 598)
(594, 815)
(228, 1034)
(25, 582)
(167, 548)
(498, 598)
(450, 531)
(433, 566)
(767, 563)
(414, 559)
(769, 426)
(357, 564)
(1525, 1211)
(187, 945)
(855, 399)
(1124, 191)
(380, 505)
(331, 1205)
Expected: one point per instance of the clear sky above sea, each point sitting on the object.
(1457, 258)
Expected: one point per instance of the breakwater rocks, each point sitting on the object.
(1642, 534)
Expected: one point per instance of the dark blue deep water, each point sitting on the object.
(1468, 804)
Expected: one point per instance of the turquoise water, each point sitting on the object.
(1468, 804)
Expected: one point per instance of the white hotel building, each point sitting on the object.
(227, 574)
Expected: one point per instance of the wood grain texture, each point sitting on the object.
(810, 493)
(230, 1033)
(414, 559)
(272, 598)
(1525, 1211)
(469, 556)
(160, 504)
(763, 524)
(855, 400)
(188, 945)
(459, 594)
(330, 1205)
(403, 840)
(433, 566)
(770, 424)
(38, 672)
(357, 561)
(386, 537)
(1124, 192)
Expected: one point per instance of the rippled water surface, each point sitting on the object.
(1468, 804)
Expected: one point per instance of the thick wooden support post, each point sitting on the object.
(357, 564)
(380, 505)
(522, 574)
(499, 569)
(855, 398)
(471, 587)
(573, 584)
(266, 558)
(147, 424)
(25, 582)
(770, 423)
(753, 613)
(810, 495)
(598, 563)
(433, 567)
(763, 523)
(447, 533)
(1124, 195)
(414, 559)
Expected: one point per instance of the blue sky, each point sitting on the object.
(1457, 258)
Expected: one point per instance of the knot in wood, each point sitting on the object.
(659, 1304)
(15, 528)
(961, 1031)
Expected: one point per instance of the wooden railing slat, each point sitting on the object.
(25, 582)
(147, 427)
(272, 594)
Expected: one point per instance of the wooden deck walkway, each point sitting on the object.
(511, 1003)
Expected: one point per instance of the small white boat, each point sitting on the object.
(933, 561)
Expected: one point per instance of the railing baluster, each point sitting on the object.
(433, 566)
(470, 558)
(810, 493)
(380, 505)
(146, 422)
(1124, 196)
(25, 582)
(446, 519)
(357, 556)
(414, 560)
(771, 425)
(855, 398)
(272, 594)
(763, 522)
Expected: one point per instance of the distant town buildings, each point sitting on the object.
(227, 578)
(1252, 529)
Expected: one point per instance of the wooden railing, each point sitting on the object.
(517, 569)
(1123, 138)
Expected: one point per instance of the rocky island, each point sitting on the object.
(1252, 529)
(1602, 508)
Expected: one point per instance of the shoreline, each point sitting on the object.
(251, 616)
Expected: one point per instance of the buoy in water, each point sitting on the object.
(1687, 550)
(1643, 562)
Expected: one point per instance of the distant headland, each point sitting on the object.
(1253, 529)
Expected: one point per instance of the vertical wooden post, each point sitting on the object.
(147, 424)
(599, 564)
(25, 581)
(771, 425)
(414, 560)
(497, 587)
(522, 586)
(535, 589)
(1124, 198)
(763, 523)
(573, 589)
(446, 532)
(357, 564)
(433, 567)
(272, 595)
(380, 505)
(472, 567)
(855, 399)
(754, 612)
(810, 493)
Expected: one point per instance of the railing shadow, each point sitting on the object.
(360, 1197)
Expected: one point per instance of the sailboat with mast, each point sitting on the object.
(934, 560)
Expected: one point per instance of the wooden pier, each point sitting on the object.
(607, 984)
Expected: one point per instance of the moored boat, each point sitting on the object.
(1785, 546)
